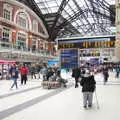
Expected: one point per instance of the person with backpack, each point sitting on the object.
(14, 76)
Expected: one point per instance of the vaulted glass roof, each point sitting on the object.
(52, 6)
(86, 17)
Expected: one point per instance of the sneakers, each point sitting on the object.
(89, 106)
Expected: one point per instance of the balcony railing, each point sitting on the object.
(11, 48)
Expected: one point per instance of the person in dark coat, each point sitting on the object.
(117, 69)
(32, 71)
(88, 87)
(14, 76)
(105, 74)
(76, 74)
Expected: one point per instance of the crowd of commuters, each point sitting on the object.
(84, 76)
(35, 72)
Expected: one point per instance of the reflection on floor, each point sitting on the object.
(32, 102)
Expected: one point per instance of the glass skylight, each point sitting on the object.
(75, 8)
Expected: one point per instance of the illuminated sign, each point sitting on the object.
(87, 43)
(69, 58)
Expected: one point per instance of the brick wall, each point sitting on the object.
(16, 29)
(1, 9)
(0, 33)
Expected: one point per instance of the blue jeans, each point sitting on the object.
(14, 82)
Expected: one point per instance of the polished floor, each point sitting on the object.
(32, 102)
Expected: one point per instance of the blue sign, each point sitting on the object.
(53, 62)
(69, 58)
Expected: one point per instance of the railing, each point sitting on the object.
(12, 49)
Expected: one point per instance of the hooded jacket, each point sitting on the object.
(88, 83)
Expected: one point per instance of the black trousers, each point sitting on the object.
(105, 79)
(33, 74)
(117, 74)
(23, 79)
(76, 82)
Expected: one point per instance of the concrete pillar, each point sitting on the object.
(117, 44)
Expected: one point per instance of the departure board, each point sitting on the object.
(69, 58)
(87, 43)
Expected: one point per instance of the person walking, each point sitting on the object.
(24, 72)
(14, 76)
(32, 70)
(76, 74)
(88, 87)
(38, 67)
(117, 69)
(44, 72)
(105, 74)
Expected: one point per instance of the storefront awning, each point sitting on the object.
(7, 62)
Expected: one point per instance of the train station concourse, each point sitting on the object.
(31, 101)
(59, 59)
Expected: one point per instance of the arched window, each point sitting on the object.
(7, 12)
(5, 37)
(35, 26)
(22, 20)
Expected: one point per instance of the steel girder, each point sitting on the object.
(82, 14)
(80, 9)
(111, 11)
(77, 15)
(95, 18)
(61, 8)
(97, 14)
(100, 17)
(79, 19)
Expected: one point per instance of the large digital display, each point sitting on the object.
(87, 43)
(69, 58)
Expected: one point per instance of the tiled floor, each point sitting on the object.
(32, 102)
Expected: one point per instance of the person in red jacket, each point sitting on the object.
(24, 72)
